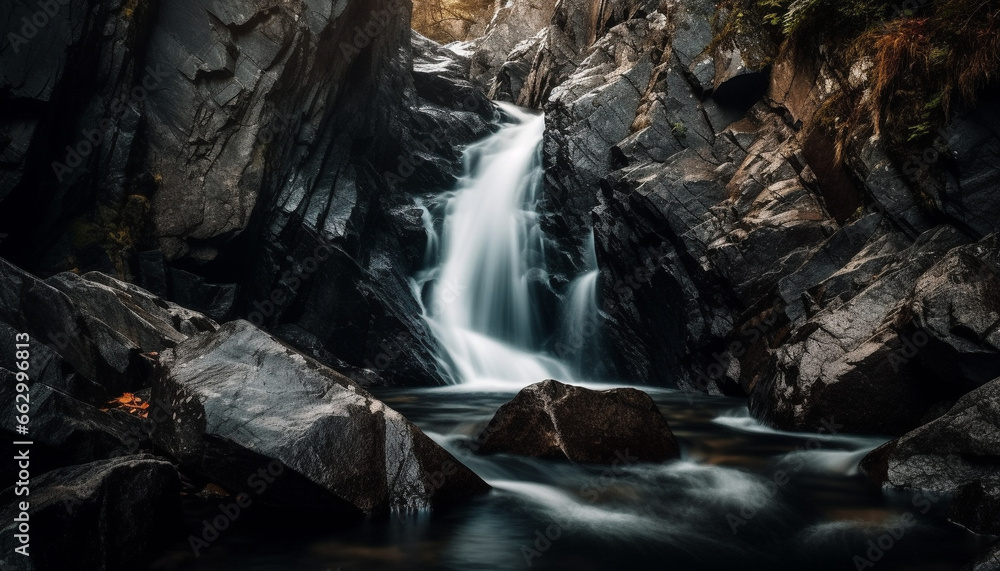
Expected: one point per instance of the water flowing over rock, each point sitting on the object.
(553, 420)
(486, 285)
(239, 400)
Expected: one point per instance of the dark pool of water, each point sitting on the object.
(742, 497)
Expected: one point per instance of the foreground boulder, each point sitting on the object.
(66, 431)
(88, 333)
(239, 401)
(959, 448)
(956, 454)
(105, 515)
(554, 420)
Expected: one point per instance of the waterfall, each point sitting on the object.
(485, 266)
(579, 328)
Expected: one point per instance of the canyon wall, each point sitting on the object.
(743, 248)
(256, 159)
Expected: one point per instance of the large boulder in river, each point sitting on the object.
(239, 400)
(554, 420)
(105, 516)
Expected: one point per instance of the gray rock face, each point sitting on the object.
(231, 143)
(957, 449)
(89, 333)
(510, 25)
(895, 340)
(955, 454)
(743, 249)
(554, 420)
(108, 516)
(238, 400)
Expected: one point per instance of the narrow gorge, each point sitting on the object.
(535, 284)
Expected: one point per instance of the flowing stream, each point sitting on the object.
(743, 496)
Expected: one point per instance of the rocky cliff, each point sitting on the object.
(744, 247)
(162, 142)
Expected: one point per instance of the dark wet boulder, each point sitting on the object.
(106, 516)
(956, 454)
(88, 334)
(66, 431)
(554, 420)
(959, 448)
(238, 400)
(904, 330)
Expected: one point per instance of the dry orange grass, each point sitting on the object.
(922, 66)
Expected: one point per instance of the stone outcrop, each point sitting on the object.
(239, 400)
(108, 515)
(558, 421)
(744, 248)
(200, 132)
(90, 335)
(955, 454)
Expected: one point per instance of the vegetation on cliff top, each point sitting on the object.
(922, 56)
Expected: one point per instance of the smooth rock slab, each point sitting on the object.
(554, 420)
(238, 399)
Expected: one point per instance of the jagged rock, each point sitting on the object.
(955, 450)
(66, 431)
(107, 516)
(955, 454)
(94, 326)
(257, 134)
(554, 420)
(767, 230)
(510, 25)
(240, 400)
(973, 140)
(874, 358)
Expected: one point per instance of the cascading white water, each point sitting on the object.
(477, 288)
